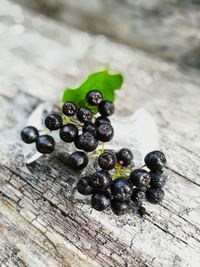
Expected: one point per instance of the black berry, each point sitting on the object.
(107, 161)
(100, 200)
(158, 178)
(86, 141)
(155, 195)
(94, 97)
(138, 196)
(106, 108)
(143, 188)
(68, 133)
(45, 144)
(53, 121)
(139, 210)
(29, 134)
(84, 114)
(99, 120)
(69, 109)
(155, 160)
(105, 132)
(84, 186)
(124, 156)
(101, 180)
(140, 178)
(121, 189)
(78, 160)
(90, 127)
(119, 207)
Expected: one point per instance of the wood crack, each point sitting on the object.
(167, 232)
(181, 175)
(76, 225)
(193, 225)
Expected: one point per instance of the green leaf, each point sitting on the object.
(102, 81)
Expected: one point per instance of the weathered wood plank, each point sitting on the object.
(41, 224)
(166, 28)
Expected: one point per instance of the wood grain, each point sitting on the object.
(169, 29)
(41, 224)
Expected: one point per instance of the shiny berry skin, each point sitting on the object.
(140, 178)
(78, 143)
(119, 207)
(78, 160)
(84, 114)
(69, 109)
(68, 133)
(45, 144)
(155, 160)
(158, 178)
(94, 97)
(106, 108)
(105, 132)
(155, 195)
(101, 180)
(107, 161)
(100, 120)
(84, 186)
(124, 156)
(53, 121)
(121, 189)
(138, 196)
(143, 189)
(29, 134)
(90, 127)
(86, 141)
(100, 201)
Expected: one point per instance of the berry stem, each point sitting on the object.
(125, 171)
(117, 171)
(45, 130)
(141, 167)
(102, 147)
(114, 176)
(132, 169)
(97, 152)
(67, 119)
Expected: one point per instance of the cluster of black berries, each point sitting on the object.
(126, 185)
(75, 125)
(116, 184)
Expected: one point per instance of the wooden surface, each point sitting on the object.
(41, 225)
(166, 28)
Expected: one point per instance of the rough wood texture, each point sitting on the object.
(166, 28)
(41, 225)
